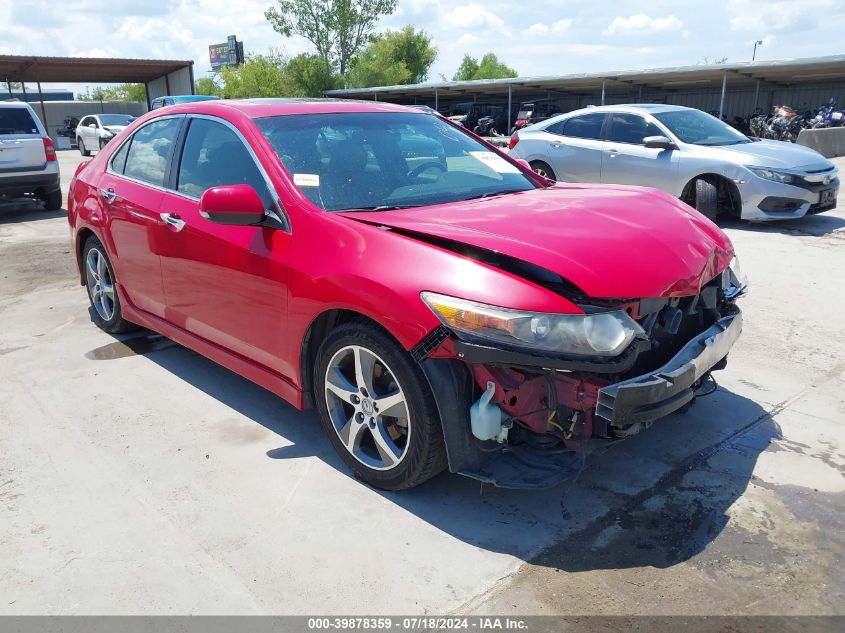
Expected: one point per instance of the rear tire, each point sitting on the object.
(82, 149)
(353, 406)
(543, 169)
(102, 289)
(707, 199)
(53, 201)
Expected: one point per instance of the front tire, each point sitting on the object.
(102, 291)
(82, 149)
(377, 408)
(707, 198)
(544, 169)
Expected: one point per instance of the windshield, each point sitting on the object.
(381, 160)
(699, 128)
(116, 119)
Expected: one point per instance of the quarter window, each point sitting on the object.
(147, 156)
(214, 155)
(631, 128)
(118, 161)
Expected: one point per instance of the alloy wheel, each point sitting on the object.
(367, 407)
(100, 284)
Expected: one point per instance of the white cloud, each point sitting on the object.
(562, 25)
(537, 29)
(472, 15)
(467, 38)
(751, 15)
(642, 24)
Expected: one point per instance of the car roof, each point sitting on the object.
(15, 104)
(256, 108)
(650, 108)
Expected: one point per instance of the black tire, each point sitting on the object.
(82, 149)
(114, 324)
(101, 144)
(707, 198)
(544, 169)
(424, 454)
(53, 200)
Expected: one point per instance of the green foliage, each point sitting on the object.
(488, 68)
(207, 86)
(338, 29)
(308, 75)
(394, 57)
(123, 92)
(258, 76)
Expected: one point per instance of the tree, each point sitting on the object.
(338, 29)
(258, 76)
(467, 70)
(207, 86)
(308, 75)
(414, 49)
(488, 68)
(123, 92)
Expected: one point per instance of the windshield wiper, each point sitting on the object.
(490, 194)
(380, 207)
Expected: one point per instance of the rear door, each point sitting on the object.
(575, 147)
(130, 195)
(627, 161)
(21, 141)
(226, 284)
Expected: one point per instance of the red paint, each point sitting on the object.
(245, 296)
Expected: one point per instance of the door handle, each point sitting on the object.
(613, 153)
(173, 220)
(108, 194)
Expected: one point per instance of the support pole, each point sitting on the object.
(436, 100)
(641, 93)
(724, 89)
(510, 106)
(167, 84)
(602, 91)
(756, 95)
(9, 86)
(147, 94)
(43, 109)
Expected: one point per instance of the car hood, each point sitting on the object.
(116, 129)
(610, 241)
(767, 153)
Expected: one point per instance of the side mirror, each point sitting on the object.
(93, 125)
(659, 142)
(235, 205)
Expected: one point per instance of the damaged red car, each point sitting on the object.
(441, 305)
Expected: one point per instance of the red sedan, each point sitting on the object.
(439, 303)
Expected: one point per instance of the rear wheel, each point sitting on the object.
(377, 409)
(53, 200)
(100, 283)
(707, 198)
(543, 169)
(82, 149)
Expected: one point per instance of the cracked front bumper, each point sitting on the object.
(626, 405)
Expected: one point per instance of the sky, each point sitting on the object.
(540, 38)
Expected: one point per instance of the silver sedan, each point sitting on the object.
(685, 152)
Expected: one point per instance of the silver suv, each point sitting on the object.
(28, 163)
(685, 152)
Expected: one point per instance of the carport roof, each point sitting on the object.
(85, 69)
(785, 72)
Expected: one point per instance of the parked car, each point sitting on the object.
(534, 112)
(160, 102)
(28, 163)
(685, 152)
(95, 130)
(452, 309)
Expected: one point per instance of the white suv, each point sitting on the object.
(95, 130)
(28, 163)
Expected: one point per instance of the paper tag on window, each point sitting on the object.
(306, 180)
(495, 162)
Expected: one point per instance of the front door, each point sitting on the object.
(226, 284)
(627, 161)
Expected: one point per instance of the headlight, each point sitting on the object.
(734, 281)
(772, 174)
(599, 334)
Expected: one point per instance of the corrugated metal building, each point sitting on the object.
(736, 89)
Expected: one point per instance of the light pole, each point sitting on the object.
(754, 54)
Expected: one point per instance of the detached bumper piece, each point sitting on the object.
(628, 405)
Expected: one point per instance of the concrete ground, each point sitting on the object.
(142, 478)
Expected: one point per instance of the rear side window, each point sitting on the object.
(214, 155)
(147, 156)
(118, 161)
(17, 121)
(631, 128)
(584, 126)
